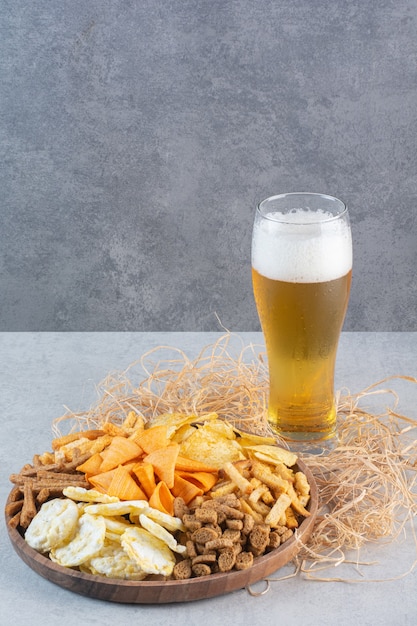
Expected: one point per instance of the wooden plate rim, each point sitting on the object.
(158, 592)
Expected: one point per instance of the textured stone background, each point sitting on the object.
(137, 137)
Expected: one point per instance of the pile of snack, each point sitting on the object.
(177, 498)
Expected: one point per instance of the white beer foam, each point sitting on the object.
(302, 252)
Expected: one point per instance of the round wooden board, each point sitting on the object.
(159, 592)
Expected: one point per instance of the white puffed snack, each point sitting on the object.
(125, 507)
(113, 562)
(87, 541)
(151, 554)
(166, 520)
(53, 525)
(80, 494)
(161, 533)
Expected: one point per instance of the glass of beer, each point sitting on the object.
(301, 272)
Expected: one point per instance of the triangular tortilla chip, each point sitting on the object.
(91, 466)
(124, 486)
(163, 462)
(202, 480)
(102, 481)
(162, 499)
(184, 489)
(153, 438)
(146, 477)
(120, 450)
(190, 465)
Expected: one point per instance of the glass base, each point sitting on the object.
(321, 447)
(308, 443)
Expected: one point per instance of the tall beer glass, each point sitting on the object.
(301, 271)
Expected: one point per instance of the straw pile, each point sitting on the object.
(367, 484)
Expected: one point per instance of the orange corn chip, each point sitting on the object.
(145, 474)
(202, 480)
(163, 462)
(162, 499)
(102, 481)
(92, 465)
(153, 438)
(184, 489)
(120, 450)
(124, 486)
(189, 465)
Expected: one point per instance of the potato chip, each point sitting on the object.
(213, 447)
(53, 525)
(161, 533)
(175, 421)
(220, 429)
(150, 553)
(87, 541)
(274, 454)
(251, 439)
(182, 433)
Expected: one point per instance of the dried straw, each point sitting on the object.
(169, 382)
(367, 484)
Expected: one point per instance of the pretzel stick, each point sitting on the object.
(59, 476)
(48, 483)
(15, 520)
(29, 510)
(13, 507)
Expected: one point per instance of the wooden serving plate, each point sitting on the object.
(160, 592)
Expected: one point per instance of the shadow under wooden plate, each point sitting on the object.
(161, 592)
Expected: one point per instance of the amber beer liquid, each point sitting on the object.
(301, 270)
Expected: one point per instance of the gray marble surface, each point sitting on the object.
(136, 138)
(43, 373)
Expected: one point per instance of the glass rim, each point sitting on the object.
(344, 208)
